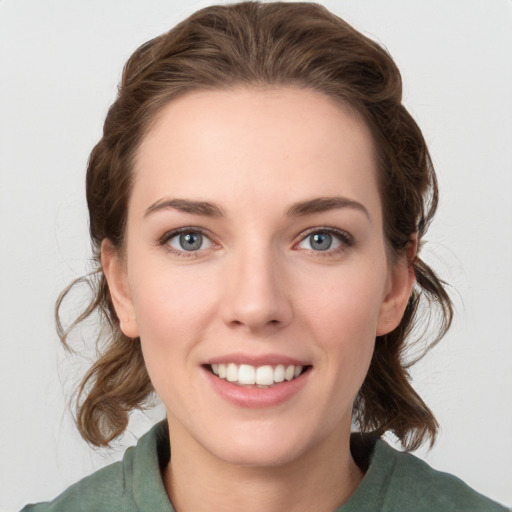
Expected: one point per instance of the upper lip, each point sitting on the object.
(257, 360)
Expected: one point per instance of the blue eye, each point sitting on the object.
(320, 241)
(189, 241)
(323, 240)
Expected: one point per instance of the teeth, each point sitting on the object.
(247, 375)
(232, 372)
(279, 373)
(265, 376)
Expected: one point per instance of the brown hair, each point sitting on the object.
(276, 44)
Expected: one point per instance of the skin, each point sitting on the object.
(257, 286)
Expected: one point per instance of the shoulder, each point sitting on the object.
(414, 485)
(119, 486)
(102, 490)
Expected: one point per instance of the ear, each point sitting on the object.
(114, 269)
(399, 287)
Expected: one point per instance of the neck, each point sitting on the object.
(321, 479)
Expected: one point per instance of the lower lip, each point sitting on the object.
(257, 398)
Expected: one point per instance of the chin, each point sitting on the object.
(264, 445)
(254, 455)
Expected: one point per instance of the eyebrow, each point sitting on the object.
(323, 204)
(186, 205)
(299, 209)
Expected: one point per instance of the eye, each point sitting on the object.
(323, 240)
(189, 241)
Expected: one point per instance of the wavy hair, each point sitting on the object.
(263, 44)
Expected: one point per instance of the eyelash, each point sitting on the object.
(167, 237)
(345, 239)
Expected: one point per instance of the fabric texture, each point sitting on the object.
(394, 481)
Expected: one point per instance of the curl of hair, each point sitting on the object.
(263, 45)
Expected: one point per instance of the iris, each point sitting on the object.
(320, 241)
(191, 241)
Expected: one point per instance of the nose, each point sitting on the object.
(257, 296)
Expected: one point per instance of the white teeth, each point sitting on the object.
(279, 373)
(265, 376)
(232, 372)
(247, 375)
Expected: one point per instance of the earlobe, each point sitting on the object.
(115, 273)
(401, 282)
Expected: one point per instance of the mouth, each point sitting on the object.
(266, 376)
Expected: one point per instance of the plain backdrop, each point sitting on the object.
(60, 62)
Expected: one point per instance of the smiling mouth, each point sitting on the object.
(265, 376)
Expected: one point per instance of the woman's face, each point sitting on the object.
(255, 254)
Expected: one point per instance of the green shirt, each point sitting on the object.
(394, 481)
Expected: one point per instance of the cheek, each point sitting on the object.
(343, 319)
(345, 304)
(173, 311)
(345, 329)
(172, 307)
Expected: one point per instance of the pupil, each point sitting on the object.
(191, 241)
(321, 241)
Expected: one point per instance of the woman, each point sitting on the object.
(257, 204)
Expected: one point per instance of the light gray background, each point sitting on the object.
(59, 65)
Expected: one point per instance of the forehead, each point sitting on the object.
(248, 144)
